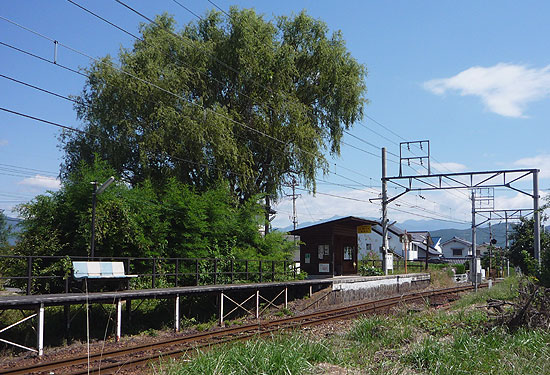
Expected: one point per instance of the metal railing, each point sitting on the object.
(53, 274)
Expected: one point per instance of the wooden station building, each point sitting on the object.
(330, 248)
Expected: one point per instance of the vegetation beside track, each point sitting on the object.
(457, 339)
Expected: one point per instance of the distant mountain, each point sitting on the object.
(436, 229)
(412, 225)
(482, 234)
(429, 225)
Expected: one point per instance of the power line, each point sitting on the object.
(75, 101)
(138, 79)
(157, 87)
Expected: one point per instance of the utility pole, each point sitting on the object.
(294, 217)
(490, 250)
(474, 252)
(384, 214)
(536, 214)
(507, 249)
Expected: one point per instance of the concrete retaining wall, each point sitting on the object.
(348, 290)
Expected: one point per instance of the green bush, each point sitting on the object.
(459, 268)
(370, 271)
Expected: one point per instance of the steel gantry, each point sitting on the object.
(460, 180)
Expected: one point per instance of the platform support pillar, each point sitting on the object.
(118, 319)
(286, 297)
(40, 330)
(310, 291)
(221, 309)
(177, 313)
(258, 304)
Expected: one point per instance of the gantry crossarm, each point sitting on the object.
(463, 180)
(511, 214)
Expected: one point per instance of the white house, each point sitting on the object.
(456, 248)
(369, 244)
(421, 243)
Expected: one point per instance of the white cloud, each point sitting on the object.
(541, 162)
(505, 89)
(449, 167)
(3, 142)
(42, 182)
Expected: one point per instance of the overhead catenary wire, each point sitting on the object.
(78, 130)
(89, 56)
(75, 101)
(155, 86)
(152, 21)
(320, 193)
(217, 60)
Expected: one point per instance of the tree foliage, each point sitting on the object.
(234, 98)
(4, 231)
(522, 252)
(140, 221)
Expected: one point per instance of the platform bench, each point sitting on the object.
(105, 271)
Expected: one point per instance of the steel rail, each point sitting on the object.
(205, 339)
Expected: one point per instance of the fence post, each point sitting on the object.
(260, 270)
(246, 270)
(215, 271)
(153, 280)
(177, 272)
(128, 272)
(196, 272)
(232, 269)
(272, 270)
(29, 275)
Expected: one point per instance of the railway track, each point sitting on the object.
(110, 362)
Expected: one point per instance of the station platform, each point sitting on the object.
(252, 298)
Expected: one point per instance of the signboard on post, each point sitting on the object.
(389, 261)
(364, 228)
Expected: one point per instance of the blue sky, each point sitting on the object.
(472, 77)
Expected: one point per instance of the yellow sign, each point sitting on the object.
(364, 229)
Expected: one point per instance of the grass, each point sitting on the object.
(277, 355)
(458, 340)
(495, 352)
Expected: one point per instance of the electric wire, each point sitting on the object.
(94, 59)
(76, 101)
(155, 86)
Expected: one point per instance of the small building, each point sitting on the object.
(422, 244)
(457, 248)
(330, 248)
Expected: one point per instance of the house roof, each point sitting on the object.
(349, 220)
(459, 240)
(423, 237)
(392, 228)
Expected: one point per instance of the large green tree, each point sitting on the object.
(235, 98)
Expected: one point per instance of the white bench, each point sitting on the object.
(100, 270)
